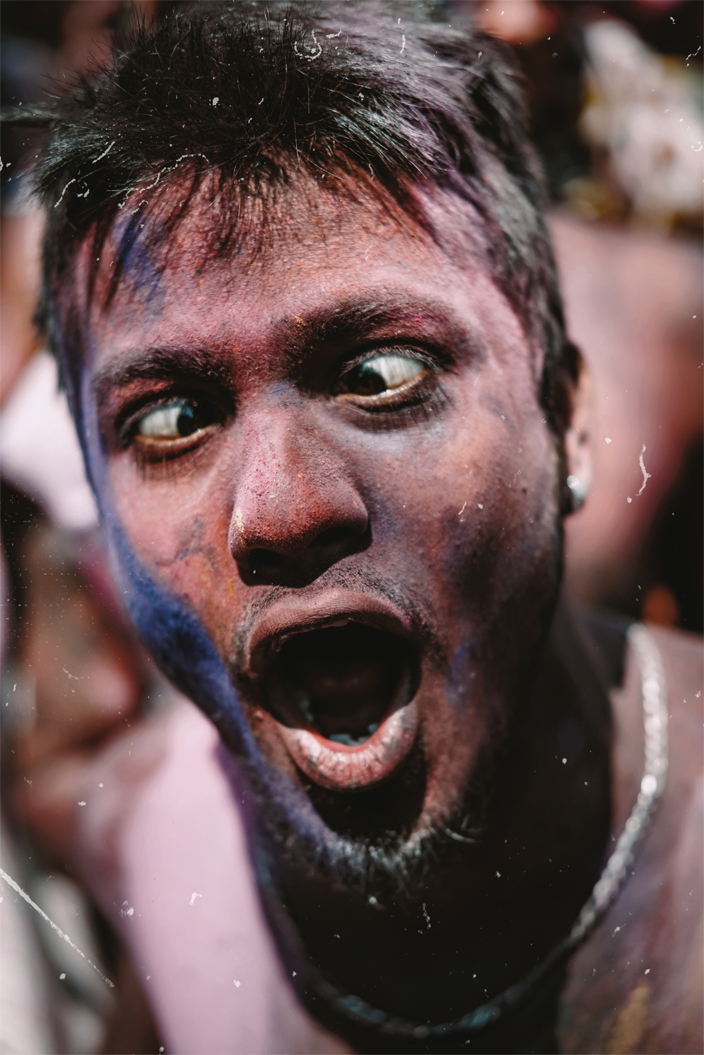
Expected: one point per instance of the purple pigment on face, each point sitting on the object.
(461, 675)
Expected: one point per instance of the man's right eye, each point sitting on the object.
(174, 421)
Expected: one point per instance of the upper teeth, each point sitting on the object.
(339, 622)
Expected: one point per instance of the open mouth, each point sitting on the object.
(342, 695)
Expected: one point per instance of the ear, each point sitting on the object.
(577, 442)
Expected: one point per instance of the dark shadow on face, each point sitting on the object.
(368, 845)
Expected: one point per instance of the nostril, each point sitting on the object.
(334, 536)
(266, 561)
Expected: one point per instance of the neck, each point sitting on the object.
(490, 911)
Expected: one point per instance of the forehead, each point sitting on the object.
(301, 254)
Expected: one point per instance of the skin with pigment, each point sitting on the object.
(338, 432)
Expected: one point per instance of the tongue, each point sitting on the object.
(347, 676)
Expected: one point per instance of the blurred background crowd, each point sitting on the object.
(614, 92)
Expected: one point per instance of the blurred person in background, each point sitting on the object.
(621, 550)
(74, 676)
(615, 94)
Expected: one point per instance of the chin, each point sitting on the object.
(381, 843)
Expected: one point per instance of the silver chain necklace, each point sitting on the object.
(654, 699)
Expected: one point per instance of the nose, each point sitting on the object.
(296, 510)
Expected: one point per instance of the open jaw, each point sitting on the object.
(342, 696)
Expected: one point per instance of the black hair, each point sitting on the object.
(246, 93)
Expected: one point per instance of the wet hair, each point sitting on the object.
(238, 97)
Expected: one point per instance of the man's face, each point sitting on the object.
(329, 446)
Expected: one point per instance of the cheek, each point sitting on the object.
(502, 549)
(476, 514)
(178, 528)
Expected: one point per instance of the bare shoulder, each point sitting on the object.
(636, 985)
(683, 657)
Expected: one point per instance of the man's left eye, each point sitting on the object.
(382, 373)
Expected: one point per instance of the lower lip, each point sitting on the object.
(342, 768)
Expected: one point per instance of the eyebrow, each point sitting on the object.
(356, 321)
(348, 322)
(159, 363)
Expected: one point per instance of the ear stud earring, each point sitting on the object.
(579, 492)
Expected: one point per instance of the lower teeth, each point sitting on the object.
(302, 701)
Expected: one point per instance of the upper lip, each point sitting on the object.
(298, 614)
